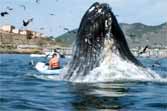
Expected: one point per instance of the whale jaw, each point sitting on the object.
(98, 30)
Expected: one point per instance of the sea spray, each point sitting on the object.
(113, 68)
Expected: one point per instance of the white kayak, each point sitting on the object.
(37, 55)
(43, 69)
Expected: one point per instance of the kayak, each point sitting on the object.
(43, 69)
(37, 55)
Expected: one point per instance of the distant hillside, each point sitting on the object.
(9, 42)
(16, 39)
(67, 38)
(137, 34)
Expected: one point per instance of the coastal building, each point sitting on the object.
(26, 32)
(23, 32)
(36, 34)
(16, 31)
(12, 29)
(7, 28)
(33, 34)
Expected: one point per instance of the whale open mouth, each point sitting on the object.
(99, 34)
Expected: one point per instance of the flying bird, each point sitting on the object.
(156, 64)
(117, 15)
(9, 8)
(70, 31)
(67, 29)
(41, 28)
(37, 1)
(4, 13)
(52, 14)
(23, 6)
(144, 50)
(25, 23)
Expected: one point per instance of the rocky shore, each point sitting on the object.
(23, 44)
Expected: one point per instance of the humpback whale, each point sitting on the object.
(99, 34)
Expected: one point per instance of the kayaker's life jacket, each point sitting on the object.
(54, 63)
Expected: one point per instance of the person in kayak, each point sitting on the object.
(54, 62)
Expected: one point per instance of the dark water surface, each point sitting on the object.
(21, 91)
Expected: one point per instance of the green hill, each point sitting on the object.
(137, 34)
(67, 38)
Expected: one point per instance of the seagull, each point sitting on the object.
(37, 1)
(66, 29)
(144, 50)
(24, 7)
(4, 13)
(9, 8)
(156, 64)
(52, 14)
(25, 23)
(117, 15)
(41, 28)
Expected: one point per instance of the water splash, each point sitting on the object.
(113, 68)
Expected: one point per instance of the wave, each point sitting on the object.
(113, 68)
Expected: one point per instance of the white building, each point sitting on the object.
(23, 32)
(12, 29)
(7, 28)
(36, 34)
(16, 31)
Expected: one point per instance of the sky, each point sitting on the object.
(68, 13)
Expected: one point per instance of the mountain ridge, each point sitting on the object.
(137, 35)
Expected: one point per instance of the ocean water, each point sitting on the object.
(20, 90)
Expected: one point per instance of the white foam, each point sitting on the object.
(114, 68)
(120, 70)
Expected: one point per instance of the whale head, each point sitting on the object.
(98, 30)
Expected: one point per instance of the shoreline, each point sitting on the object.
(21, 51)
(154, 52)
(40, 52)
